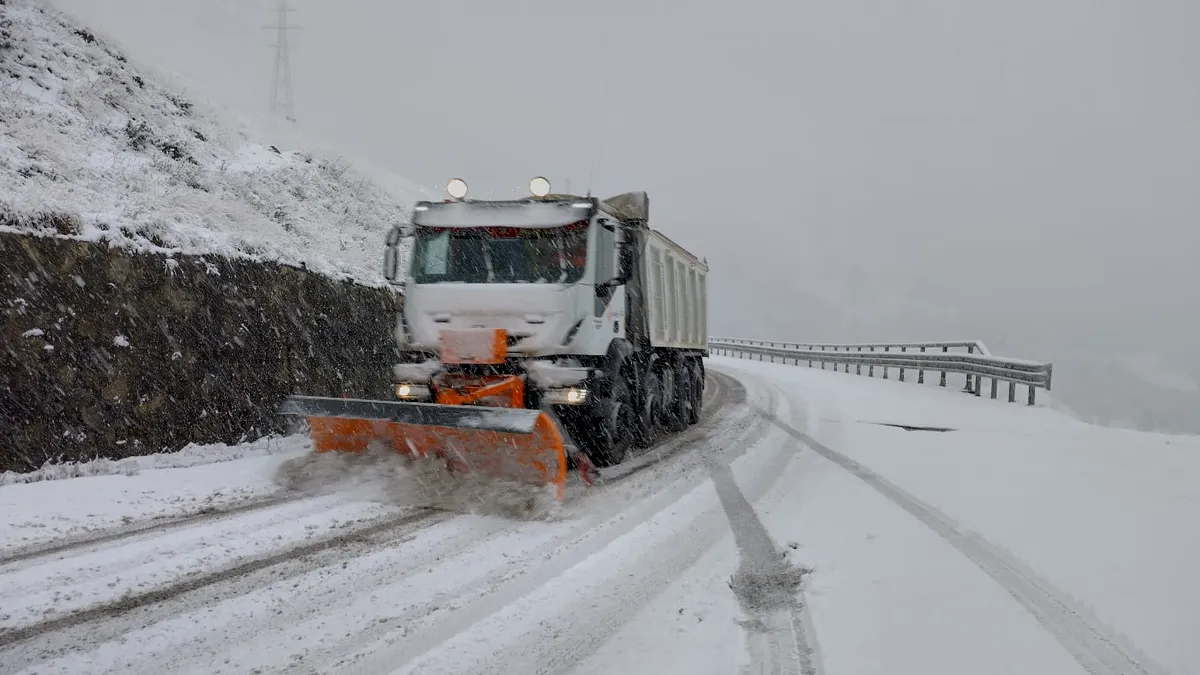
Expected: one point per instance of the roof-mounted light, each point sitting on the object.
(539, 186)
(456, 188)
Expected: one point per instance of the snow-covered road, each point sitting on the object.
(686, 560)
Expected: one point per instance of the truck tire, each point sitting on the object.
(611, 436)
(647, 414)
(695, 391)
(675, 403)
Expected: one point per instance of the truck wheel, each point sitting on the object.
(612, 435)
(666, 394)
(643, 428)
(675, 404)
(696, 391)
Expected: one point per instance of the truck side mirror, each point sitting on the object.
(624, 254)
(391, 255)
(625, 257)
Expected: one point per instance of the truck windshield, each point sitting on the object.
(498, 255)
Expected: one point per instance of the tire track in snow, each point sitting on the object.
(1097, 650)
(767, 586)
(60, 587)
(150, 528)
(129, 603)
(245, 612)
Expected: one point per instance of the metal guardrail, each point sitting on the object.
(975, 363)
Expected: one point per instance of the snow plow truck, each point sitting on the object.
(537, 335)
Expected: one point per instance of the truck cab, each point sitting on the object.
(546, 271)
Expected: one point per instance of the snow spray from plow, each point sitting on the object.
(518, 445)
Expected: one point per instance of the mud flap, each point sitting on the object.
(511, 443)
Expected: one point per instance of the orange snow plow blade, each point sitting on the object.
(510, 443)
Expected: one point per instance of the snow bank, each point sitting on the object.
(197, 481)
(192, 455)
(94, 148)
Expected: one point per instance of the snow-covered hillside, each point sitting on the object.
(93, 147)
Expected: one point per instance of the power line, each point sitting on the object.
(282, 102)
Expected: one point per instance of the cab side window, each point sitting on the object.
(606, 252)
(606, 256)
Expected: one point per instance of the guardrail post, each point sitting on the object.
(971, 350)
(822, 360)
(921, 371)
(1012, 392)
(808, 348)
(1032, 389)
(858, 366)
(885, 368)
(993, 388)
(903, 350)
(871, 367)
(942, 383)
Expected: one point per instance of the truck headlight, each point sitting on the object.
(566, 396)
(407, 391)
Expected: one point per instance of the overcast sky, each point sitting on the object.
(1025, 172)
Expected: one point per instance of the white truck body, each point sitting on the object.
(676, 294)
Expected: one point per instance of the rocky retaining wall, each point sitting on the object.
(111, 353)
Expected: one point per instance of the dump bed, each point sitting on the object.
(676, 294)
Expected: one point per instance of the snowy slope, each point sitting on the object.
(130, 159)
